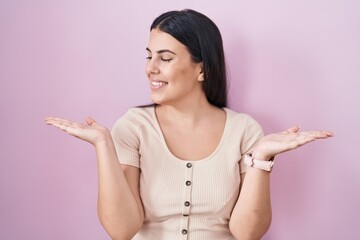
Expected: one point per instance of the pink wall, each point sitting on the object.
(290, 62)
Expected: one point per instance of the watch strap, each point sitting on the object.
(259, 164)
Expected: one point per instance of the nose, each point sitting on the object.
(151, 67)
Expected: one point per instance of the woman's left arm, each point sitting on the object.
(251, 216)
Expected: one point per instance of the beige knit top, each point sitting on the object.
(184, 199)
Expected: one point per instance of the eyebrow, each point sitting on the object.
(161, 51)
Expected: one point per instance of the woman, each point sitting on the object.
(186, 167)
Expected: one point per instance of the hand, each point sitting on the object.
(273, 144)
(90, 131)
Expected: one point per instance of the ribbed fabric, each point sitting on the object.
(182, 199)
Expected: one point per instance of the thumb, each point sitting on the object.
(90, 121)
(293, 129)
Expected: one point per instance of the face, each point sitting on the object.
(172, 75)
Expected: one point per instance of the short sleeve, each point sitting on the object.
(253, 132)
(126, 140)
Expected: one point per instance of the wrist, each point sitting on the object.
(104, 139)
(262, 164)
(261, 156)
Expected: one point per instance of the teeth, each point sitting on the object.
(154, 83)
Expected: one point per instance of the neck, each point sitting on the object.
(186, 113)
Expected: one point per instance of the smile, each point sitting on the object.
(158, 84)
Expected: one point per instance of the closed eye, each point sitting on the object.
(166, 59)
(162, 59)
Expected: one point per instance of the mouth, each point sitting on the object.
(156, 84)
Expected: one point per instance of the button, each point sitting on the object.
(187, 203)
(189, 165)
(188, 183)
(184, 231)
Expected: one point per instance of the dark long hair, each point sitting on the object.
(203, 40)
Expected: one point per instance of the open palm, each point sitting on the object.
(90, 131)
(273, 144)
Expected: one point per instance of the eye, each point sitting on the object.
(148, 58)
(166, 59)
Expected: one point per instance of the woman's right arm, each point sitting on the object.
(119, 204)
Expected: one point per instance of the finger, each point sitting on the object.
(53, 120)
(317, 134)
(65, 125)
(293, 129)
(59, 125)
(56, 120)
(303, 139)
(49, 119)
(73, 129)
(328, 133)
(309, 136)
(90, 121)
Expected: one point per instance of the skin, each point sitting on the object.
(169, 61)
(186, 118)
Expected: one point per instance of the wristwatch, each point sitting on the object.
(259, 164)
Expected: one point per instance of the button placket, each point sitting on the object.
(186, 207)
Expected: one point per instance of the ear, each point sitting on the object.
(200, 77)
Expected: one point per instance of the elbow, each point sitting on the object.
(117, 236)
(121, 231)
(252, 227)
(122, 235)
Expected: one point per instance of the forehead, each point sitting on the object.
(159, 40)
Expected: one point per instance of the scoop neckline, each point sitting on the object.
(160, 132)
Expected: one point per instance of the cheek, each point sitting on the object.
(171, 72)
(179, 73)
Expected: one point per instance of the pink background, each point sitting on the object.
(290, 62)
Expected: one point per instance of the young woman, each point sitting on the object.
(186, 167)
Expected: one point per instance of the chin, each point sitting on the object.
(163, 99)
(157, 99)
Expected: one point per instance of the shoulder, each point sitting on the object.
(240, 118)
(137, 114)
(135, 117)
(243, 124)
